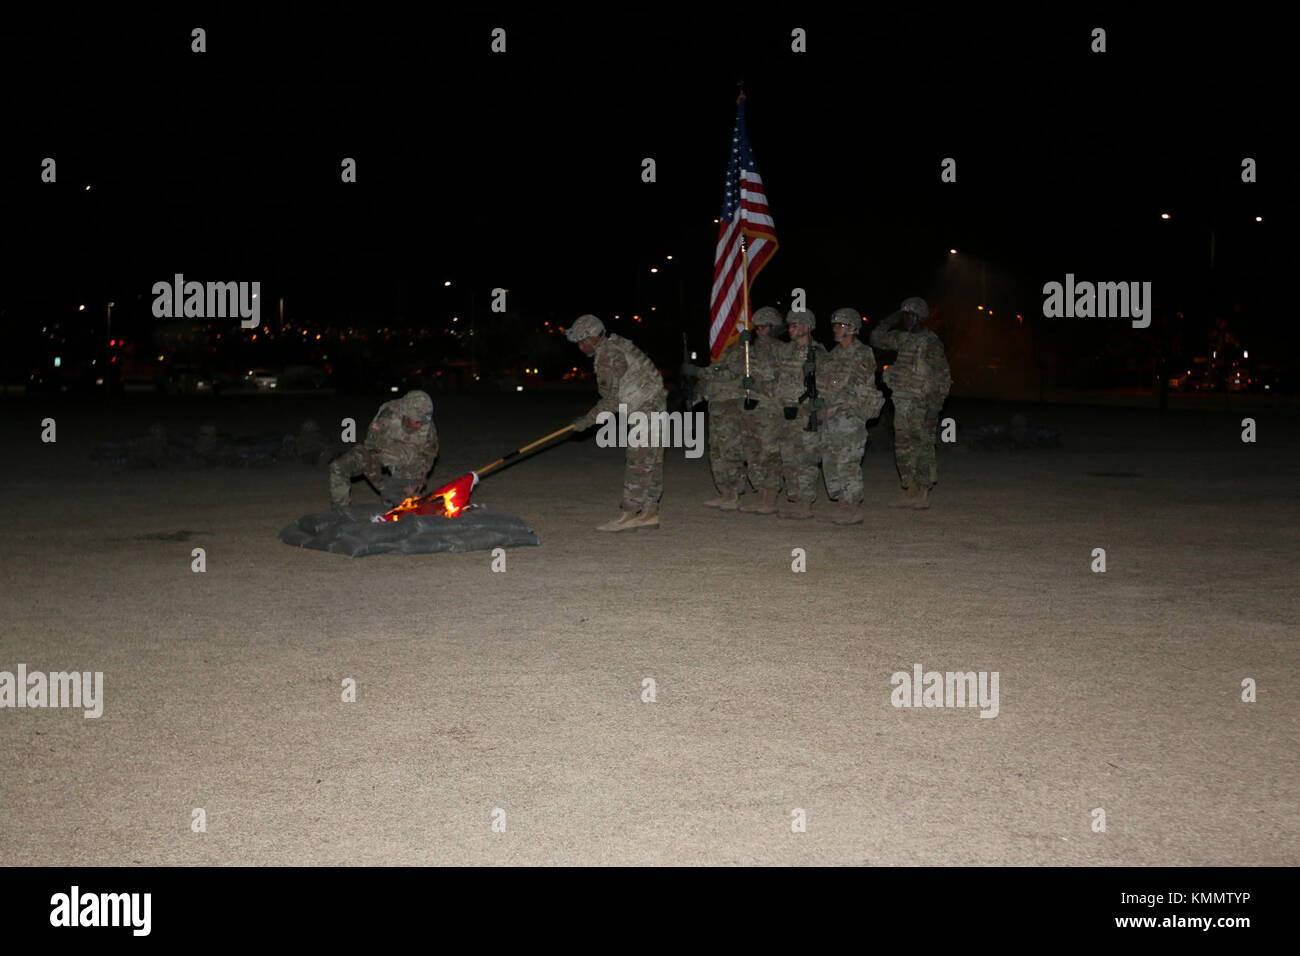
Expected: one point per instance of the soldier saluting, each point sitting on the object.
(919, 379)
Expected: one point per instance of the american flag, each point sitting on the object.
(744, 212)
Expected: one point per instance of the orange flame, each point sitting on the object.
(431, 505)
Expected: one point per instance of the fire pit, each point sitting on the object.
(442, 520)
(358, 532)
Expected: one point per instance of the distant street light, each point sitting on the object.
(1164, 215)
(654, 270)
(953, 251)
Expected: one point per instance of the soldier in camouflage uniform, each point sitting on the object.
(847, 382)
(919, 379)
(761, 425)
(403, 440)
(800, 448)
(722, 385)
(625, 376)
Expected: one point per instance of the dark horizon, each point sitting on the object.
(522, 170)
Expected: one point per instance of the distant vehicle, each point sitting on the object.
(190, 380)
(1193, 380)
(262, 379)
(302, 376)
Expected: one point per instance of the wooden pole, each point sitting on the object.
(522, 451)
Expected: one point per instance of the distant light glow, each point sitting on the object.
(394, 387)
(57, 361)
(953, 251)
(519, 388)
(1164, 215)
(1259, 218)
(1245, 354)
(81, 308)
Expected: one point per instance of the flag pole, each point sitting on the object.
(750, 404)
(749, 323)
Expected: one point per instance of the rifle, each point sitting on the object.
(810, 385)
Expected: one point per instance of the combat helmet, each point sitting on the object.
(916, 305)
(849, 317)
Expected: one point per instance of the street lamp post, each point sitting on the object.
(108, 359)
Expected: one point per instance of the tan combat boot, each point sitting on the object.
(766, 504)
(909, 497)
(832, 511)
(618, 524)
(727, 501)
(922, 501)
(850, 512)
(797, 510)
(647, 520)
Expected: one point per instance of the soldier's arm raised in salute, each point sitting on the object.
(886, 333)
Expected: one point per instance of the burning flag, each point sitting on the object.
(453, 498)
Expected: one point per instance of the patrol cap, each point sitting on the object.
(766, 316)
(916, 305)
(801, 318)
(584, 327)
(418, 406)
(849, 317)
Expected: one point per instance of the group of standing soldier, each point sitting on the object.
(802, 405)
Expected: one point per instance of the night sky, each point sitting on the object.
(522, 170)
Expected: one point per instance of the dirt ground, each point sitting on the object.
(522, 691)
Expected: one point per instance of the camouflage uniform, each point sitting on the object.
(800, 448)
(722, 385)
(919, 379)
(407, 454)
(761, 426)
(625, 375)
(848, 384)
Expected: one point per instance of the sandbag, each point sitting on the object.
(350, 531)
